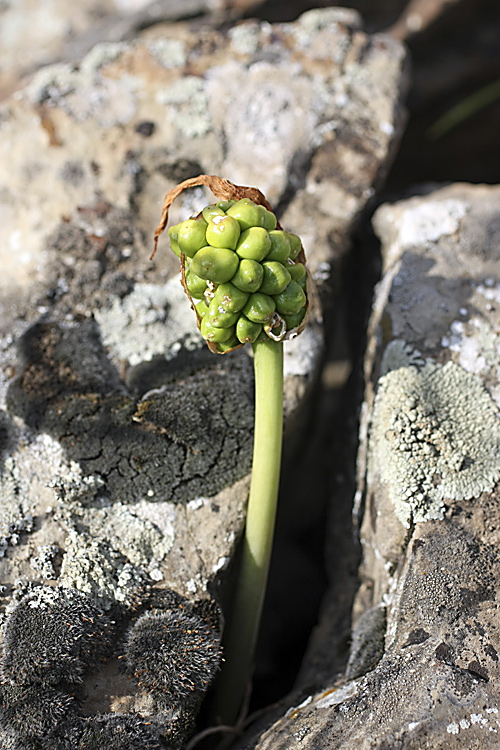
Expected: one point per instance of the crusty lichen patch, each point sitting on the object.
(476, 343)
(141, 534)
(152, 320)
(26, 482)
(91, 566)
(435, 439)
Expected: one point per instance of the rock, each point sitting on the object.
(424, 666)
(33, 35)
(125, 444)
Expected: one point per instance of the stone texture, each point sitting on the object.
(125, 445)
(424, 669)
(33, 35)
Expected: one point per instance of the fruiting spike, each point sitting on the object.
(238, 244)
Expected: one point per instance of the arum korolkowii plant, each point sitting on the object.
(247, 283)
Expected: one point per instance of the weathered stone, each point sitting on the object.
(125, 444)
(263, 111)
(424, 666)
(34, 35)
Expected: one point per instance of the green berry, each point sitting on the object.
(214, 334)
(173, 234)
(260, 307)
(201, 308)
(229, 344)
(276, 278)
(246, 330)
(291, 300)
(218, 264)
(295, 244)
(249, 276)
(221, 318)
(210, 211)
(191, 236)
(254, 243)
(247, 213)
(196, 286)
(175, 247)
(297, 272)
(280, 246)
(224, 205)
(293, 321)
(230, 297)
(269, 221)
(223, 231)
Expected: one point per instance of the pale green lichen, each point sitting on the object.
(43, 563)
(399, 354)
(435, 439)
(102, 54)
(25, 482)
(84, 92)
(319, 19)
(151, 321)
(477, 345)
(426, 223)
(15, 520)
(143, 533)
(51, 83)
(245, 38)
(325, 33)
(113, 552)
(102, 573)
(170, 53)
(186, 100)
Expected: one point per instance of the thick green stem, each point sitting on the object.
(244, 624)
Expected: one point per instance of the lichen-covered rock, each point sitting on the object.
(443, 247)
(111, 135)
(435, 438)
(33, 35)
(125, 445)
(424, 665)
(99, 339)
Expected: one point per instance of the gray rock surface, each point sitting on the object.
(33, 35)
(424, 668)
(125, 445)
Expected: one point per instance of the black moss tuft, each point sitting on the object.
(175, 653)
(209, 611)
(119, 732)
(52, 636)
(42, 719)
(33, 711)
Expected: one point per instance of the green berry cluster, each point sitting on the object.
(244, 271)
